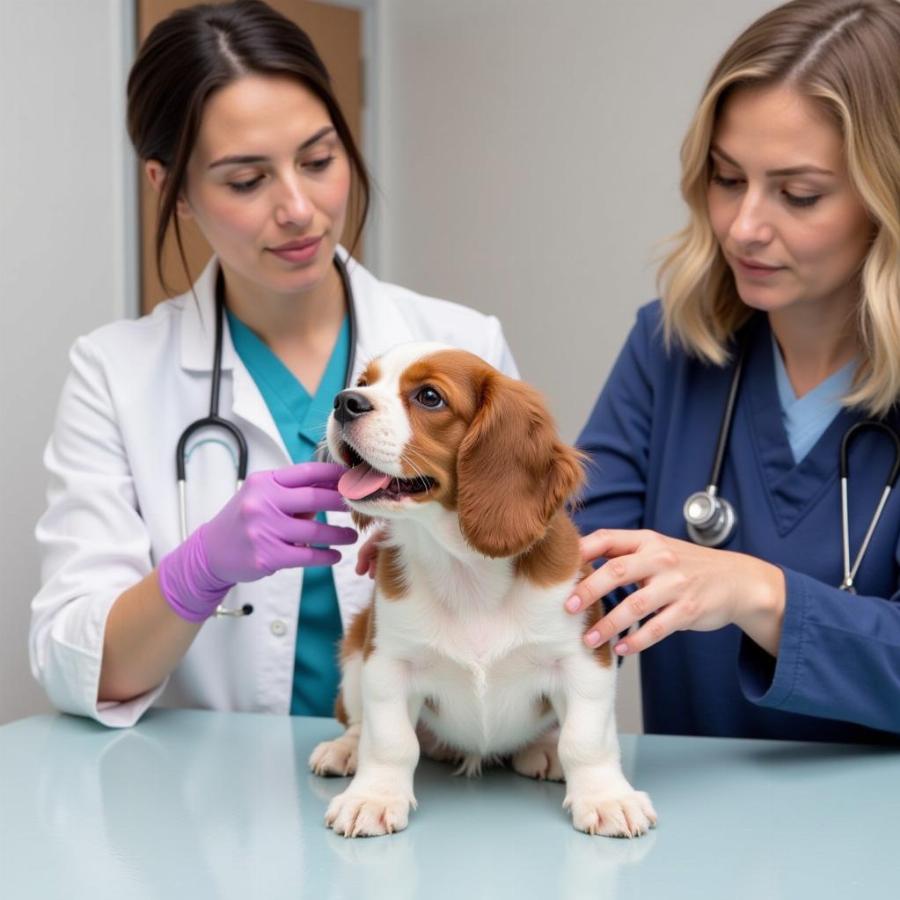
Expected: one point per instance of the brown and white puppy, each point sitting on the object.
(467, 638)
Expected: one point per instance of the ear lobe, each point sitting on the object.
(513, 472)
(156, 174)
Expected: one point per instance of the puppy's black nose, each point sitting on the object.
(349, 405)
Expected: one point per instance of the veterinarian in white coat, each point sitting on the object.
(269, 165)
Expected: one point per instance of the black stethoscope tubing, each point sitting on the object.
(709, 518)
(716, 516)
(215, 421)
(725, 428)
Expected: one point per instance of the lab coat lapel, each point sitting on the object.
(244, 401)
(198, 325)
(248, 404)
(379, 325)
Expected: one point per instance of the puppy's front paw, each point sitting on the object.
(626, 815)
(336, 757)
(355, 813)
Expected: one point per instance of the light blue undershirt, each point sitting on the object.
(806, 418)
(301, 420)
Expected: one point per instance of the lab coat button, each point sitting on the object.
(278, 628)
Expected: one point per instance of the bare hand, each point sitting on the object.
(680, 586)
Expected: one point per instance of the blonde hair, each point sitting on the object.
(844, 55)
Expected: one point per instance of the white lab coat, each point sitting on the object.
(113, 506)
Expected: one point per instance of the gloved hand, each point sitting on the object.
(255, 534)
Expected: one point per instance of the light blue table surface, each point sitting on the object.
(200, 804)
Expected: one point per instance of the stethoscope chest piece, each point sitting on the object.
(709, 518)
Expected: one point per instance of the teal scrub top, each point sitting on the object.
(301, 420)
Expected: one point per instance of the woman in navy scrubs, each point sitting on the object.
(791, 259)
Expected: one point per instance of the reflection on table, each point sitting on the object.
(201, 804)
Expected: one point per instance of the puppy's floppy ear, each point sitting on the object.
(513, 472)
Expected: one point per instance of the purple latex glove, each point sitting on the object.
(255, 534)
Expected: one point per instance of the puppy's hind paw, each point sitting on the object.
(539, 760)
(336, 757)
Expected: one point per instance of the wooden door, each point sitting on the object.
(337, 33)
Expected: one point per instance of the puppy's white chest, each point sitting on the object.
(486, 677)
(481, 646)
(485, 707)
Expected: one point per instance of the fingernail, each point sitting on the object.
(592, 639)
(573, 603)
(621, 648)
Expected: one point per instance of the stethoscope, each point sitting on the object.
(215, 421)
(711, 519)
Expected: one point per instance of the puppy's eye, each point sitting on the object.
(429, 398)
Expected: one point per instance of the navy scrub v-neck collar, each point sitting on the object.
(793, 488)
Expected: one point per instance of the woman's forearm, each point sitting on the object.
(144, 641)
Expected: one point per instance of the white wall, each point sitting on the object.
(530, 168)
(65, 263)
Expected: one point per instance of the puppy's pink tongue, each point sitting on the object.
(361, 481)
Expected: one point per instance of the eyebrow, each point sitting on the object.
(252, 160)
(792, 170)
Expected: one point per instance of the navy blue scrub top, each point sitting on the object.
(301, 420)
(651, 438)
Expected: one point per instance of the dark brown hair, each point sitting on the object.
(199, 50)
